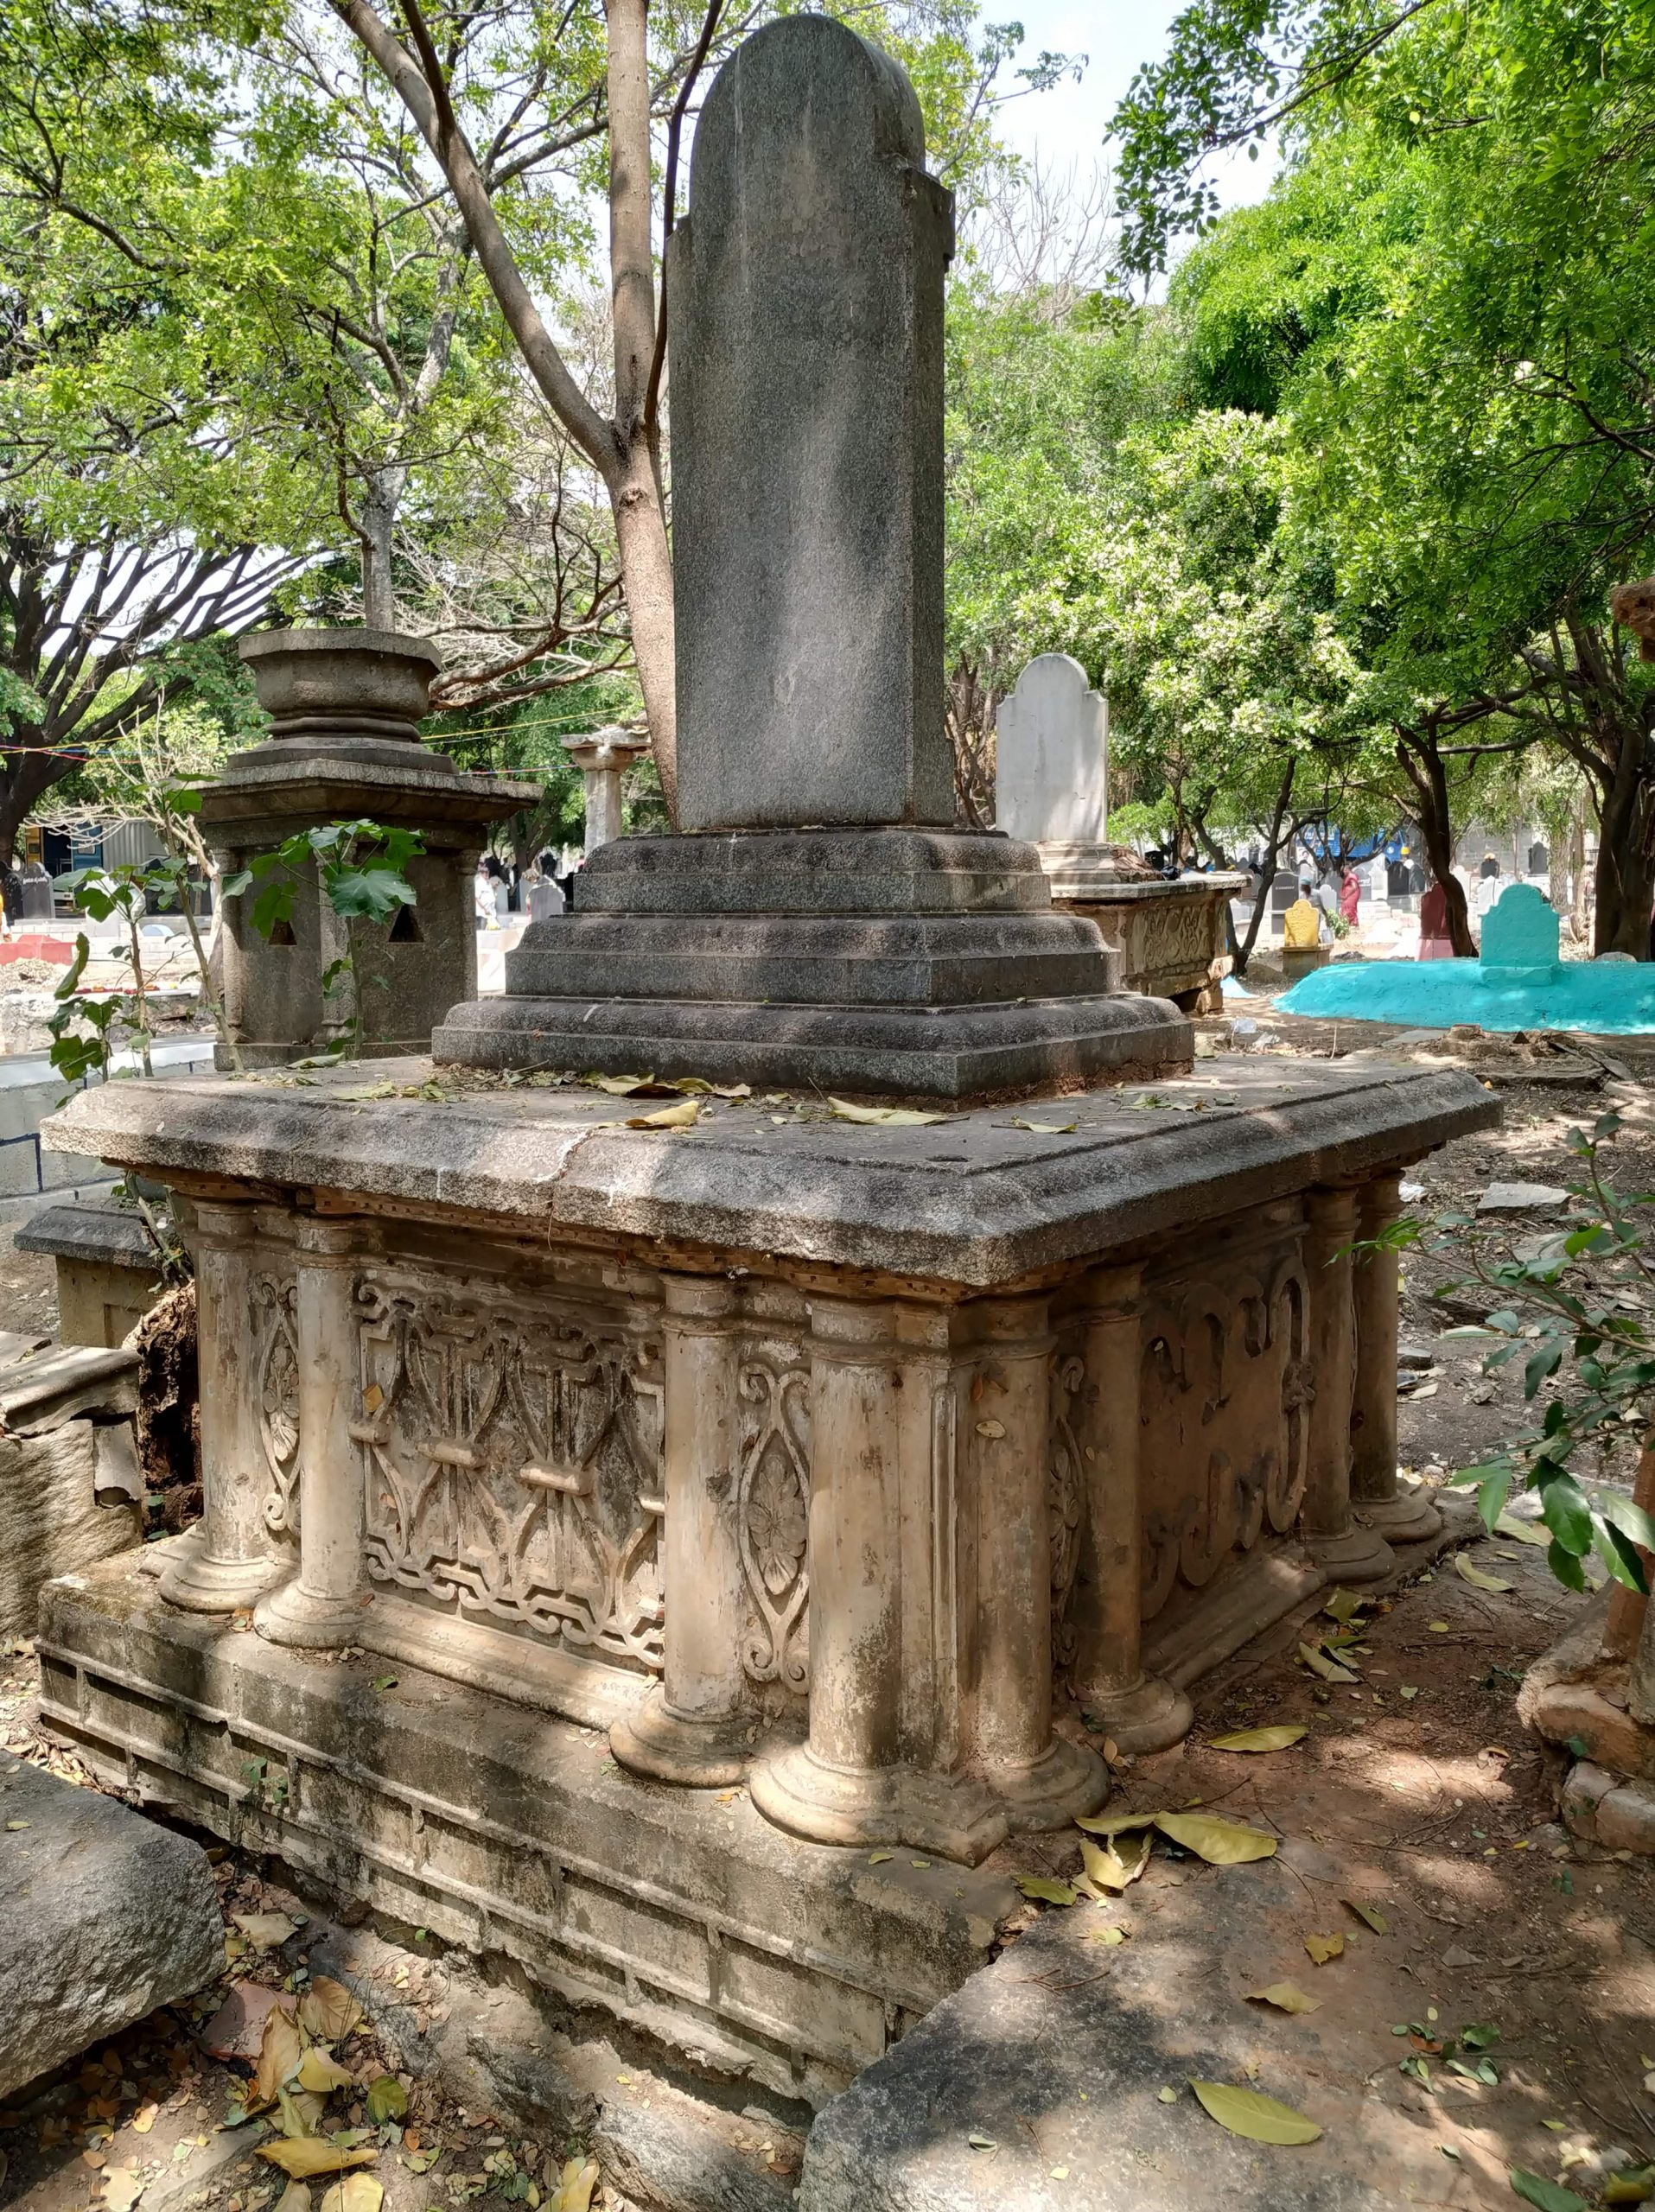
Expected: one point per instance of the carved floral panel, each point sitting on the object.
(514, 1462)
(1224, 1411)
(275, 1396)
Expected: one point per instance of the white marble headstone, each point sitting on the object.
(1051, 743)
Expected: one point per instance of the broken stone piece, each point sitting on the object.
(103, 1917)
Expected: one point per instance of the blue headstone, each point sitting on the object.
(1520, 930)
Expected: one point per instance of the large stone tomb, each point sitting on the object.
(677, 1556)
(822, 923)
(1051, 788)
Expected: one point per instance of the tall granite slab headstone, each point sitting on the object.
(821, 922)
(806, 287)
(1051, 779)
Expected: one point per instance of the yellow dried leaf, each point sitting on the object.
(1323, 1948)
(1117, 1864)
(1523, 1532)
(905, 1118)
(1287, 1997)
(1116, 1823)
(1220, 1842)
(1110, 1936)
(1375, 1919)
(328, 2011)
(1437, 1627)
(620, 1086)
(574, 2191)
(296, 2197)
(280, 2049)
(1044, 1891)
(1316, 1659)
(303, 2156)
(144, 2119)
(1475, 1576)
(669, 1117)
(122, 2189)
(1046, 1128)
(353, 2193)
(320, 2071)
(1630, 2188)
(1276, 1739)
(264, 1930)
(1259, 2119)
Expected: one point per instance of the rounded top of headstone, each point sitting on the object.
(333, 682)
(1520, 930)
(815, 65)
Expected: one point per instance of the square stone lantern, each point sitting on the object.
(345, 709)
(888, 1466)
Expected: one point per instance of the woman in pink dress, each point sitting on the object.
(1349, 897)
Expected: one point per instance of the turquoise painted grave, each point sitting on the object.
(1519, 983)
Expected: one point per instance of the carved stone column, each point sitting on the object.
(694, 1727)
(1395, 1514)
(1139, 1712)
(847, 1782)
(602, 759)
(323, 1607)
(1349, 1552)
(1007, 1443)
(228, 1559)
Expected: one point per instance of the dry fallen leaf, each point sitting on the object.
(320, 2071)
(1316, 1659)
(122, 2189)
(574, 2191)
(1276, 1739)
(264, 1930)
(386, 2100)
(992, 1428)
(1475, 1576)
(1116, 1864)
(1259, 2119)
(1375, 1919)
(1524, 1532)
(906, 1118)
(353, 2193)
(669, 1117)
(279, 2051)
(1221, 1843)
(1044, 1891)
(1046, 1128)
(304, 2155)
(144, 2119)
(1323, 1948)
(1287, 1997)
(327, 2011)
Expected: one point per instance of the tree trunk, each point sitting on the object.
(647, 570)
(375, 526)
(1625, 864)
(25, 778)
(1423, 764)
(1577, 870)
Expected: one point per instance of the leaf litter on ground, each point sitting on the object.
(1277, 1737)
(1257, 2117)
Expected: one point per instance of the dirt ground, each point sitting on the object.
(1416, 1790)
(27, 1288)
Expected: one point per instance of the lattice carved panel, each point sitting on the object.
(514, 1464)
(1064, 1499)
(276, 1393)
(1225, 1389)
(773, 1513)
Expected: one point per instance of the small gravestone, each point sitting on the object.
(1520, 933)
(1052, 756)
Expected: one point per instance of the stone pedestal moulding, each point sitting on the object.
(726, 1495)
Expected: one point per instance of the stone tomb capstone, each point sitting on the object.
(1051, 788)
(852, 1461)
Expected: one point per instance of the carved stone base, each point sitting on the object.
(669, 1746)
(201, 1584)
(1149, 1717)
(1359, 1554)
(948, 1814)
(296, 1617)
(1070, 1779)
(1410, 1517)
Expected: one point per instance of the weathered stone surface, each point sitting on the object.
(107, 1272)
(1055, 2057)
(806, 352)
(689, 1917)
(103, 1917)
(1626, 1819)
(1051, 781)
(1566, 1696)
(664, 2152)
(65, 1491)
(973, 1199)
(857, 872)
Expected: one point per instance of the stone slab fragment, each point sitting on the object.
(1056, 2056)
(90, 1228)
(972, 1200)
(52, 1519)
(508, 1831)
(806, 363)
(103, 1915)
(866, 872)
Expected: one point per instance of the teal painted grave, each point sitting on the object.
(1519, 983)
